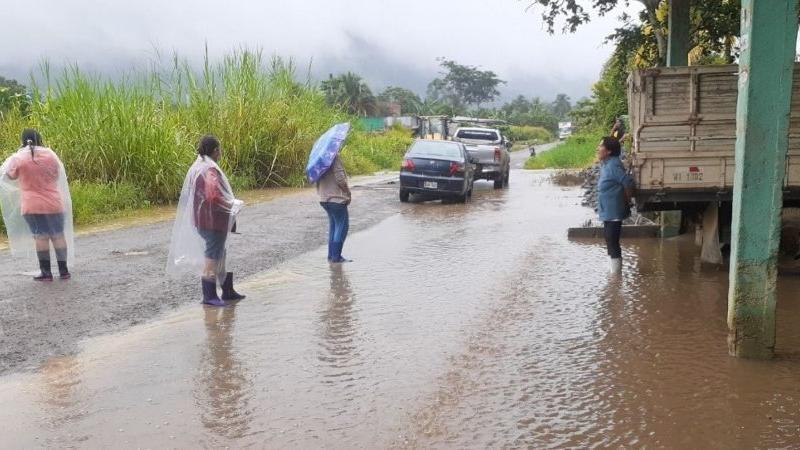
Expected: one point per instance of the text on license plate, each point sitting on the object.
(693, 175)
(430, 185)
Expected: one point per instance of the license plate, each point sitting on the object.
(691, 175)
(430, 185)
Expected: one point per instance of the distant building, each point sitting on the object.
(394, 109)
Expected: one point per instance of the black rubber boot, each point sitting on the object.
(63, 271)
(46, 274)
(210, 293)
(228, 293)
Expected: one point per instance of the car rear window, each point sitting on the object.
(441, 148)
(478, 135)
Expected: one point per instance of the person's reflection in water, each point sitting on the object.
(338, 346)
(224, 389)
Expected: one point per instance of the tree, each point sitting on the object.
(461, 86)
(717, 24)
(351, 92)
(714, 27)
(409, 102)
(574, 13)
(609, 94)
(11, 94)
(435, 107)
(561, 106)
(520, 105)
(521, 111)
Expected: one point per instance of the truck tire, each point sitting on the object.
(404, 196)
(498, 182)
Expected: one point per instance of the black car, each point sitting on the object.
(438, 169)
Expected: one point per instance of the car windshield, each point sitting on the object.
(478, 135)
(432, 148)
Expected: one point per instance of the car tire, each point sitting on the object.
(404, 196)
(498, 182)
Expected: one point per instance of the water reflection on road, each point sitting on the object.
(457, 326)
(223, 383)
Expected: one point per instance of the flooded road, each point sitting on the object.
(118, 279)
(457, 326)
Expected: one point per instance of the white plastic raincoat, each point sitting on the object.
(32, 184)
(207, 206)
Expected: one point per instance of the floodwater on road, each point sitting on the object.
(457, 326)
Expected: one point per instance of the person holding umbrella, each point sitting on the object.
(325, 169)
(206, 214)
(37, 206)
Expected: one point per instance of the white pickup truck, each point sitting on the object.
(487, 147)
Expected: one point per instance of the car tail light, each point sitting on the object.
(456, 168)
(497, 151)
(408, 165)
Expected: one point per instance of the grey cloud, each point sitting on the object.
(389, 43)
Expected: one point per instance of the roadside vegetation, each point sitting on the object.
(640, 42)
(528, 135)
(128, 144)
(577, 152)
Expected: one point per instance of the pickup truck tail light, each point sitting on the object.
(497, 154)
(456, 168)
(408, 165)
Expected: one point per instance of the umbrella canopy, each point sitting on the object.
(325, 150)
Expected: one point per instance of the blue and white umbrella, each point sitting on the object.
(325, 150)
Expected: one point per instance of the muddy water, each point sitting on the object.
(457, 326)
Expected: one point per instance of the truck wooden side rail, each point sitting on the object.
(683, 121)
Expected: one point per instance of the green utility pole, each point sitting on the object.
(768, 39)
(677, 55)
(678, 41)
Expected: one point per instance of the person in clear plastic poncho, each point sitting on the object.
(37, 207)
(207, 211)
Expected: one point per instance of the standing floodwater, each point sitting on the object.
(459, 326)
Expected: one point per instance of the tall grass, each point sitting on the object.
(138, 134)
(529, 134)
(578, 151)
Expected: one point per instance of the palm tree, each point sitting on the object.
(351, 92)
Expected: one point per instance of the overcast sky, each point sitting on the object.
(389, 42)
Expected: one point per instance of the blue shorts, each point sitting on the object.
(45, 225)
(215, 243)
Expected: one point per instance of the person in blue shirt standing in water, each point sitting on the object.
(614, 193)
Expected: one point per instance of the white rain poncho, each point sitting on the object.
(35, 185)
(206, 213)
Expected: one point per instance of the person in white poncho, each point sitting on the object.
(37, 207)
(207, 211)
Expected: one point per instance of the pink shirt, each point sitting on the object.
(38, 181)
